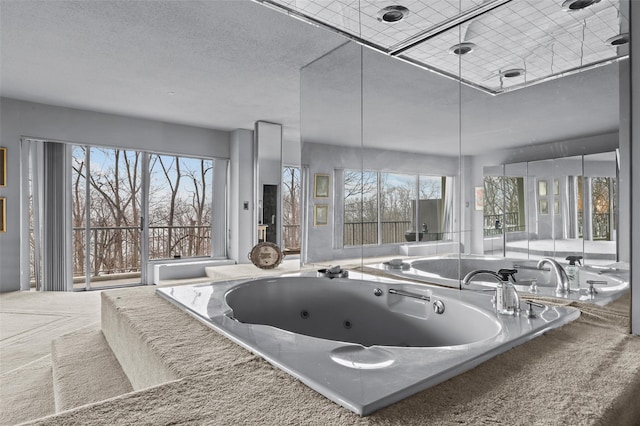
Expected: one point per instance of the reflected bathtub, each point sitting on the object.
(610, 282)
(363, 343)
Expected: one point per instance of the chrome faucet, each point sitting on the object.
(507, 299)
(562, 280)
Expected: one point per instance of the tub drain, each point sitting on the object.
(304, 314)
(347, 324)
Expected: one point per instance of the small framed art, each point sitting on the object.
(320, 214)
(321, 186)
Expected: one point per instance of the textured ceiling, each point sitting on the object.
(539, 37)
(227, 64)
(214, 64)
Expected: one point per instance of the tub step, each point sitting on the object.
(85, 370)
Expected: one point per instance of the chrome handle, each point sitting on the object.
(530, 313)
(533, 268)
(532, 303)
(409, 294)
(592, 282)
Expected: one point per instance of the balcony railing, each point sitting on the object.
(363, 233)
(291, 238)
(494, 224)
(116, 250)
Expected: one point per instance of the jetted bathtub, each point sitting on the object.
(611, 282)
(362, 343)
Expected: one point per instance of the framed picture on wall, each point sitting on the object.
(542, 188)
(3, 166)
(3, 214)
(320, 214)
(479, 198)
(543, 206)
(321, 186)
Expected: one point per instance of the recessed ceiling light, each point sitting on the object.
(392, 14)
(462, 48)
(573, 5)
(512, 73)
(618, 40)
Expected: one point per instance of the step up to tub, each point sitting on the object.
(85, 370)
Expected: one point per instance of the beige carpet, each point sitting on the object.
(585, 373)
(25, 392)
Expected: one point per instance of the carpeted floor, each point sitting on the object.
(587, 372)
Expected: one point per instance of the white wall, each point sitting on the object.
(26, 119)
(242, 223)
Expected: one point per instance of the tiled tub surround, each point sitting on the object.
(355, 341)
(611, 281)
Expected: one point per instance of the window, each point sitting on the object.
(106, 236)
(180, 191)
(291, 191)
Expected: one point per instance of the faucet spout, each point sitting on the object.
(562, 280)
(467, 278)
(507, 299)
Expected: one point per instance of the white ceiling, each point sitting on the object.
(231, 63)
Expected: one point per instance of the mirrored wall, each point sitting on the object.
(399, 158)
(553, 208)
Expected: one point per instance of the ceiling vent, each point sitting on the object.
(575, 5)
(618, 40)
(392, 14)
(512, 73)
(462, 48)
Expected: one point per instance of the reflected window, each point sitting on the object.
(504, 208)
(392, 208)
(397, 206)
(602, 195)
(360, 208)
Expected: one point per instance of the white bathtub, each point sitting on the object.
(612, 282)
(354, 341)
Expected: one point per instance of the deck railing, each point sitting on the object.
(495, 224)
(116, 250)
(363, 233)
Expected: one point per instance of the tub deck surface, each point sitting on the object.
(221, 383)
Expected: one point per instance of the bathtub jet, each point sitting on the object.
(362, 342)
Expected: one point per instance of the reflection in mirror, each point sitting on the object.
(600, 212)
(553, 208)
(565, 207)
(515, 229)
(379, 127)
(391, 189)
(493, 210)
(330, 128)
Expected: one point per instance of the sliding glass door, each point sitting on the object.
(106, 193)
(99, 216)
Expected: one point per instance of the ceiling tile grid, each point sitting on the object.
(536, 36)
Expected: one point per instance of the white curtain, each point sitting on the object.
(50, 166)
(447, 216)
